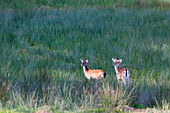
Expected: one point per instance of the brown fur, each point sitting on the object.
(96, 74)
(92, 73)
(121, 73)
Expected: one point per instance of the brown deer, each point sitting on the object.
(121, 73)
(92, 73)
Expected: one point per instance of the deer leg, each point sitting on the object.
(96, 84)
(118, 80)
(103, 82)
(128, 81)
(124, 81)
(87, 81)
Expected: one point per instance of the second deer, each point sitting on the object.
(121, 73)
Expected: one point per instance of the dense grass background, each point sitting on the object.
(29, 4)
(40, 53)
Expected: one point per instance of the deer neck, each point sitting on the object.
(117, 69)
(85, 69)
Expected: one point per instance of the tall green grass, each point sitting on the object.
(41, 50)
(29, 4)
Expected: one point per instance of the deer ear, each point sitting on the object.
(81, 60)
(113, 59)
(87, 60)
(120, 60)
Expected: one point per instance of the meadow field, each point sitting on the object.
(42, 42)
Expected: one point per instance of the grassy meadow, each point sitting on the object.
(42, 42)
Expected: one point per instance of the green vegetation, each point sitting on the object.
(41, 47)
(29, 4)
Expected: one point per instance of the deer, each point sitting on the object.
(122, 74)
(93, 73)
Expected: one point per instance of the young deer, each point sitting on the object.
(121, 73)
(92, 73)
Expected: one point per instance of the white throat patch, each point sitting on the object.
(84, 69)
(116, 69)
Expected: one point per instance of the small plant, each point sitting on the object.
(4, 90)
(110, 99)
